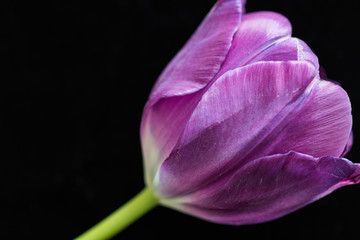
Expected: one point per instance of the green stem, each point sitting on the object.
(122, 217)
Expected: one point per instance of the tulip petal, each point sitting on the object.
(175, 94)
(265, 36)
(161, 128)
(272, 186)
(320, 126)
(348, 145)
(237, 111)
(200, 59)
(257, 32)
(288, 50)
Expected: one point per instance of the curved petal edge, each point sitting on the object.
(194, 65)
(271, 187)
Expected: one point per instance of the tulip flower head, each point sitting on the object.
(240, 128)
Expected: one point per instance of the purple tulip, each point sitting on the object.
(239, 128)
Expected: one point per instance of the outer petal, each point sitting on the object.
(237, 111)
(175, 94)
(162, 126)
(200, 59)
(265, 36)
(348, 145)
(320, 126)
(271, 187)
(257, 32)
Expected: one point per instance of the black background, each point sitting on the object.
(75, 76)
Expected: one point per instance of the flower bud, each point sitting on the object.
(240, 128)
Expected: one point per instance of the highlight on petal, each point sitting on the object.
(234, 114)
(270, 187)
(201, 57)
